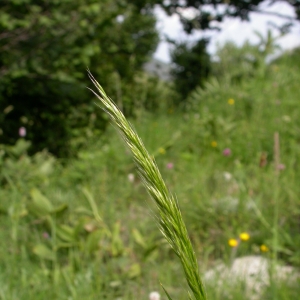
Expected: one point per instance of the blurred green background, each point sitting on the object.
(75, 220)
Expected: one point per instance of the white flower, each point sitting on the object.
(227, 176)
(131, 177)
(154, 296)
(286, 118)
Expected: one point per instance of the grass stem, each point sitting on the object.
(170, 219)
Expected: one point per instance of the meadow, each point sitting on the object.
(85, 228)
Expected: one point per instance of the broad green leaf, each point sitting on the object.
(138, 238)
(66, 233)
(93, 241)
(60, 209)
(92, 203)
(83, 211)
(43, 251)
(134, 271)
(40, 205)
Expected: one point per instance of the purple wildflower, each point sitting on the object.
(170, 165)
(46, 235)
(22, 131)
(226, 152)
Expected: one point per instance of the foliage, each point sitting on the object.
(191, 66)
(59, 38)
(144, 92)
(240, 63)
(107, 247)
(45, 48)
(207, 12)
(50, 111)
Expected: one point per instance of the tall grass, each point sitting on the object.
(170, 219)
(100, 251)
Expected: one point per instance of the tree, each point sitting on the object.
(54, 38)
(191, 66)
(206, 11)
(201, 15)
(45, 48)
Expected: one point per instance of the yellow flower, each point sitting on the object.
(264, 248)
(244, 236)
(162, 151)
(233, 243)
(214, 144)
(230, 101)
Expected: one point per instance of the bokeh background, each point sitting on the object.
(212, 88)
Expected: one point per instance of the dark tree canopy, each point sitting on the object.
(191, 66)
(206, 11)
(45, 48)
(57, 38)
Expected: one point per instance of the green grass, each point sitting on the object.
(117, 252)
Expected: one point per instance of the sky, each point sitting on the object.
(232, 29)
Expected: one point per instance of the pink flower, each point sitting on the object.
(22, 131)
(170, 165)
(281, 167)
(226, 152)
(46, 235)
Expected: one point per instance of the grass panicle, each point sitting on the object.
(170, 219)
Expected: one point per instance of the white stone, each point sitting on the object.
(253, 271)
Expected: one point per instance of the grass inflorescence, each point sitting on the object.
(170, 218)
